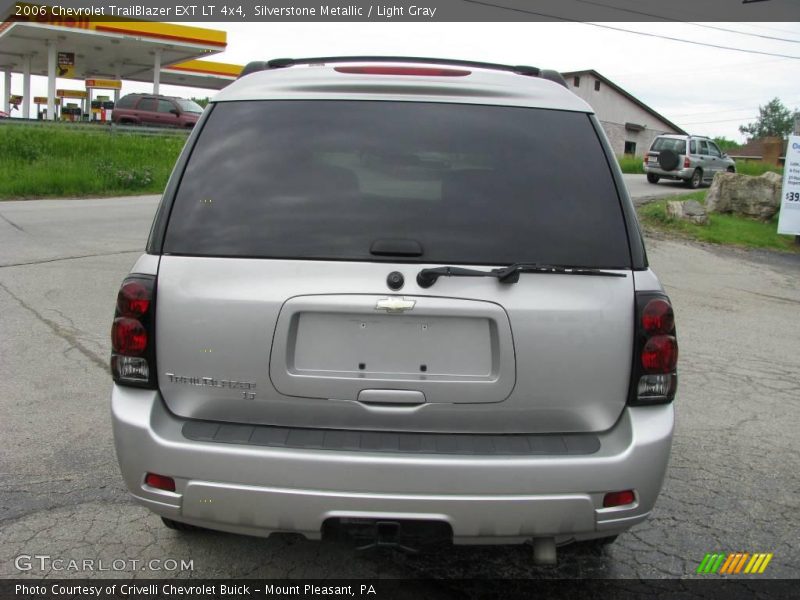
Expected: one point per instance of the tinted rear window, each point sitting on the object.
(471, 184)
(127, 101)
(677, 146)
(189, 106)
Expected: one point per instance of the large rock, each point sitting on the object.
(758, 197)
(691, 210)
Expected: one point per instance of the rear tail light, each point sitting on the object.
(623, 498)
(654, 377)
(128, 336)
(133, 333)
(133, 298)
(660, 354)
(160, 482)
(686, 163)
(657, 317)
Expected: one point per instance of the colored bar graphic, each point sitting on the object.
(740, 564)
(765, 563)
(734, 563)
(732, 558)
(754, 563)
(711, 563)
(703, 567)
(717, 563)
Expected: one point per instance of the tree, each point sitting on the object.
(201, 101)
(774, 120)
(725, 144)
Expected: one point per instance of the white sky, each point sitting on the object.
(705, 90)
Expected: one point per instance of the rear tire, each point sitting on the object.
(178, 526)
(652, 178)
(695, 180)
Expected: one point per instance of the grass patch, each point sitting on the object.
(756, 168)
(729, 230)
(630, 164)
(62, 161)
(633, 164)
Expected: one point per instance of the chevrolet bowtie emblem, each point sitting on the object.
(394, 304)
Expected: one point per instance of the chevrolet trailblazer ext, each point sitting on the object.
(380, 296)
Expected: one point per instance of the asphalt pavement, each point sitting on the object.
(642, 192)
(733, 483)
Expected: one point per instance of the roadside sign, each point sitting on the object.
(106, 84)
(66, 64)
(43, 100)
(789, 218)
(71, 94)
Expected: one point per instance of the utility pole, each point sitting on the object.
(796, 132)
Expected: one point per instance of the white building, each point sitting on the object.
(629, 123)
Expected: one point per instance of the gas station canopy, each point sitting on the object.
(201, 73)
(125, 49)
(106, 49)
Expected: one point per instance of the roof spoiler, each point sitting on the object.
(282, 63)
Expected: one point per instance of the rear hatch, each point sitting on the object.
(274, 304)
(666, 153)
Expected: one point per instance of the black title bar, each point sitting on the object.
(407, 10)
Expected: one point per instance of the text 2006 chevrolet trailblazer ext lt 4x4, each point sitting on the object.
(378, 295)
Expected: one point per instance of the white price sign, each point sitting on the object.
(789, 219)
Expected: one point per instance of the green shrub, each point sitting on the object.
(756, 167)
(630, 164)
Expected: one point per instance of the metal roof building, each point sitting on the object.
(630, 124)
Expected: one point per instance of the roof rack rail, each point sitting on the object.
(281, 63)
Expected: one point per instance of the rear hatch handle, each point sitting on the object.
(392, 397)
(427, 277)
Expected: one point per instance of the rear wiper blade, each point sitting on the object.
(510, 274)
(427, 277)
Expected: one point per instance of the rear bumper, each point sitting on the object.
(675, 174)
(498, 499)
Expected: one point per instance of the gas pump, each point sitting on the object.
(101, 106)
(41, 114)
(71, 111)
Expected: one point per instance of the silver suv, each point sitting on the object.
(378, 299)
(668, 158)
